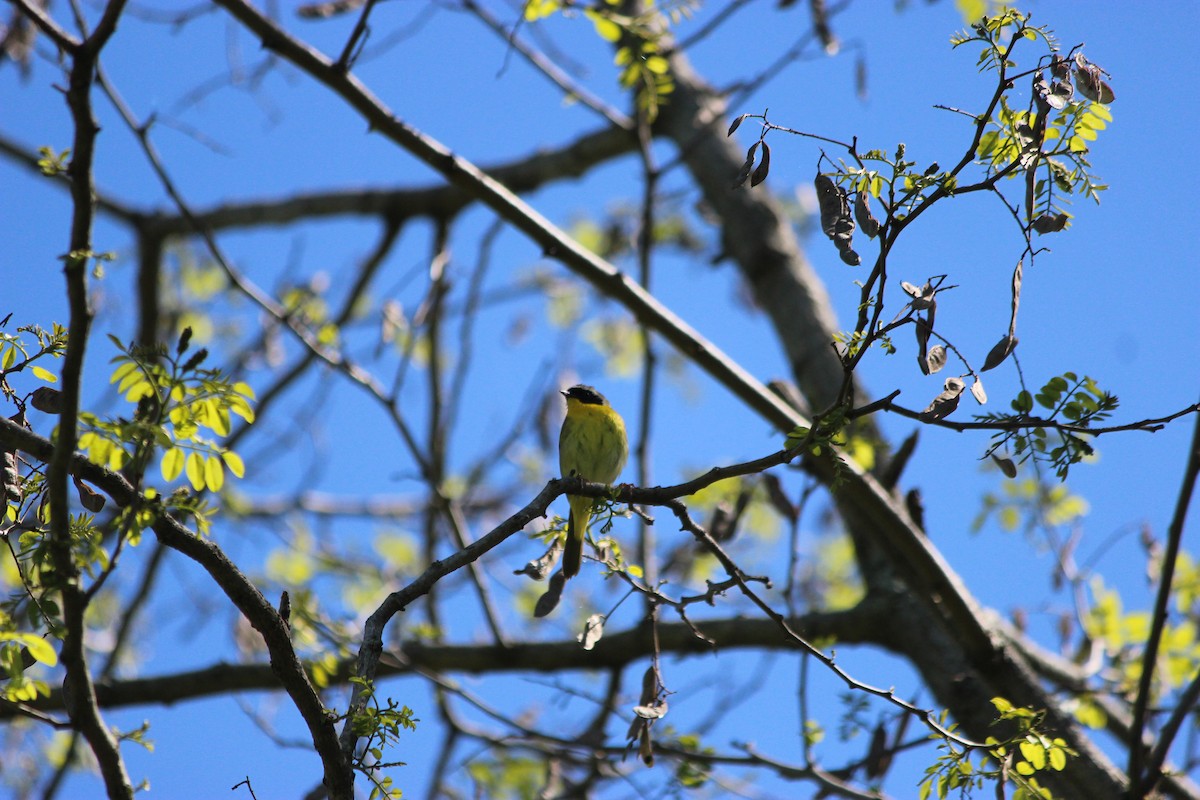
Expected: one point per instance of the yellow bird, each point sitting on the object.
(592, 446)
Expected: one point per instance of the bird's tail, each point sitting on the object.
(577, 522)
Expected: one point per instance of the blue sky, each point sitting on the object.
(1115, 299)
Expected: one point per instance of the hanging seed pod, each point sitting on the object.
(592, 631)
(831, 203)
(1000, 351)
(1091, 84)
(1050, 223)
(922, 342)
(10, 477)
(540, 567)
(737, 122)
(978, 392)
(89, 498)
(1006, 466)
(936, 359)
(862, 214)
(747, 165)
(945, 403)
(47, 400)
(764, 166)
(836, 221)
(553, 594)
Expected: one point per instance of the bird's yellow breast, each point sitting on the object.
(592, 444)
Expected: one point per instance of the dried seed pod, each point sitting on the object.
(1006, 466)
(646, 747)
(923, 298)
(1061, 93)
(1000, 351)
(936, 359)
(1091, 84)
(747, 165)
(737, 122)
(655, 710)
(549, 600)
(862, 214)
(922, 342)
(1050, 223)
(836, 221)
(1018, 273)
(945, 403)
(1041, 93)
(764, 166)
(593, 629)
(540, 567)
(89, 498)
(831, 203)
(10, 477)
(978, 392)
(46, 399)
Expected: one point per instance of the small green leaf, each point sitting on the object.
(214, 473)
(44, 374)
(172, 464)
(195, 470)
(234, 462)
(39, 648)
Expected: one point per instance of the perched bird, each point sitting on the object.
(592, 446)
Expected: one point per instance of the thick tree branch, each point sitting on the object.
(616, 650)
(1145, 772)
(81, 706)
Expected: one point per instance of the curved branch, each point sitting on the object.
(285, 665)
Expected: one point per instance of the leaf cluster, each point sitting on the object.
(1080, 402)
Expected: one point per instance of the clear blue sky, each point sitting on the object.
(1114, 300)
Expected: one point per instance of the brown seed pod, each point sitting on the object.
(1000, 351)
(764, 166)
(945, 403)
(862, 214)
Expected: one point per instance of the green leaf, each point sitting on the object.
(195, 470)
(1034, 752)
(214, 473)
(606, 29)
(234, 462)
(44, 374)
(39, 648)
(172, 464)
